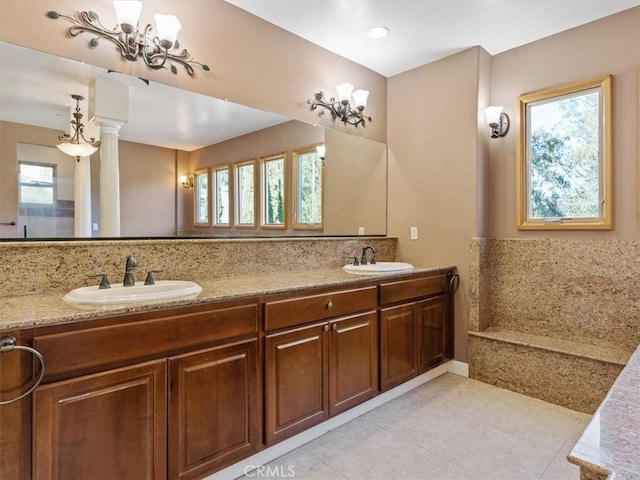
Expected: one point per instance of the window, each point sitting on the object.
(37, 184)
(201, 197)
(221, 194)
(273, 200)
(308, 173)
(245, 194)
(564, 157)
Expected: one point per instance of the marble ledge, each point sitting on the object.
(610, 445)
(557, 345)
(35, 310)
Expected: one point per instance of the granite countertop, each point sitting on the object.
(24, 311)
(610, 445)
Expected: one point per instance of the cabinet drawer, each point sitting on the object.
(93, 347)
(408, 289)
(296, 311)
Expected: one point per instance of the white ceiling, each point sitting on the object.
(422, 31)
(36, 88)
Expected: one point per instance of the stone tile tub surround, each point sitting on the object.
(42, 267)
(551, 318)
(586, 291)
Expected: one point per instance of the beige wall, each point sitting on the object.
(434, 150)
(147, 179)
(607, 46)
(252, 61)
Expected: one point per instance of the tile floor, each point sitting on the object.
(452, 428)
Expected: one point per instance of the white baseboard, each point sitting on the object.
(265, 456)
(458, 368)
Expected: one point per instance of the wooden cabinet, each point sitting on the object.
(416, 332)
(296, 375)
(319, 369)
(213, 409)
(184, 392)
(432, 332)
(189, 411)
(102, 426)
(398, 345)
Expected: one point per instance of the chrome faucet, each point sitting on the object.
(129, 280)
(363, 258)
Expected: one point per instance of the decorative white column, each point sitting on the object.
(109, 179)
(82, 198)
(109, 107)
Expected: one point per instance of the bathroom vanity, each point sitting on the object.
(184, 390)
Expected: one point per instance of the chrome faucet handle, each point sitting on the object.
(104, 281)
(150, 280)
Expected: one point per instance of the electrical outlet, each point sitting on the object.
(360, 230)
(95, 227)
(414, 233)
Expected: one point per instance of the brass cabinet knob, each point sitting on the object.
(329, 305)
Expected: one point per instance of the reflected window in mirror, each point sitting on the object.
(201, 197)
(564, 157)
(273, 197)
(245, 194)
(308, 189)
(37, 186)
(221, 197)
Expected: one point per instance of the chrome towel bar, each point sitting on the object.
(8, 344)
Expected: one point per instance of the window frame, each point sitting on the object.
(263, 192)
(237, 205)
(297, 225)
(523, 191)
(200, 173)
(52, 186)
(214, 196)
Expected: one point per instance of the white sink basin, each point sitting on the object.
(378, 268)
(163, 290)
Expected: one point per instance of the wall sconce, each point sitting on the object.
(135, 43)
(342, 107)
(321, 150)
(498, 121)
(186, 181)
(71, 144)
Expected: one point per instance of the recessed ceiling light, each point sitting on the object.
(377, 32)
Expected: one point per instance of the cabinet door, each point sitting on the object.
(398, 345)
(102, 426)
(296, 376)
(431, 315)
(353, 361)
(213, 409)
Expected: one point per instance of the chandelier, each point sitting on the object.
(71, 144)
(134, 43)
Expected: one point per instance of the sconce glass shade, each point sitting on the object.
(168, 27)
(77, 149)
(344, 92)
(492, 115)
(320, 149)
(360, 98)
(127, 12)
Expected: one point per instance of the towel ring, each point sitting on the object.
(8, 344)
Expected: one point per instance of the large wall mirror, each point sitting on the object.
(171, 133)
